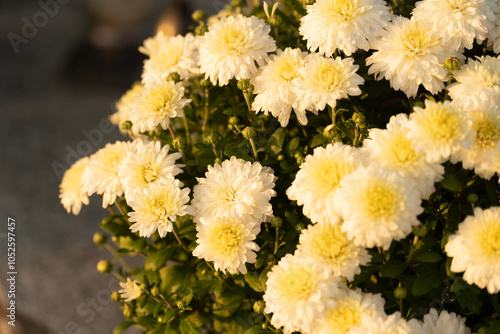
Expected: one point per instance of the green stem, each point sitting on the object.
(276, 242)
(186, 129)
(180, 241)
(333, 114)
(205, 116)
(401, 308)
(118, 257)
(246, 94)
(254, 149)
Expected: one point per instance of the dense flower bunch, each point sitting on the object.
(329, 167)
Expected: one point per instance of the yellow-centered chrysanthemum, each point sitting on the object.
(298, 291)
(383, 324)
(71, 191)
(477, 81)
(444, 323)
(147, 164)
(324, 81)
(347, 25)
(157, 207)
(232, 47)
(275, 86)
(123, 108)
(377, 206)
(393, 150)
(457, 22)
(101, 175)
(319, 178)
(157, 104)
(409, 55)
(440, 130)
(347, 312)
(475, 249)
(228, 242)
(331, 249)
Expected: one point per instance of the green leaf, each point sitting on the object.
(157, 309)
(428, 257)
(491, 191)
(257, 330)
(157, 259)
(453, 216)
(451, 182)
(255, 283)
(143, 300)
(467, 296)
(169, 330)
(317, 140)
(393, 268)
(190, 325)
(274, 144)
(169, 316)
(425, 282)
(293, 145)
(228, 302)
(345, 130)
(238, 111)
(147, 320)
(123, 326)
(494, 328)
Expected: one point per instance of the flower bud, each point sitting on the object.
(452, 63)
(420, 231)
(128, 312)
(200, 30)
(400, 292)
(473, 198)
(174, 77)
(127, 125)
(328, 132)
(259, 306)
(358, 118)
(115, 296)
(276, 222)
(199, 15)
(178, 143)
(155, 291)
(104, 266)
(180, 304)
(100, 239)
(249, 132)
(234, 120)
(244, 84)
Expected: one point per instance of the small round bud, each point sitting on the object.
(208, 139)
(280, 157)
(276, 222)
(265, 326)
(234, 120)
(204, 83)
(328, 132)
(115, 296)
(400, 292)
(244, 84)
(249, 132)
(174, 77)
(452, 63)
(100, 239)
(179, 304)
(155, 291)
(104, 266)
(299, 227)
(178, 143)
(259, 306)
(420, 231)
(216, 273)
(217, 160)
(358, 118)
(200, 30)
(473, 198)
(199, 15)
(115, 239)
(127, 125)
(482, 330)
(299, 158)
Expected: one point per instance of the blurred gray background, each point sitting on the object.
(63, 66)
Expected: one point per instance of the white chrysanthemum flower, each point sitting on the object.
(275, 86)
(123, 107)
(71, 192)
(298, 291)
(393, 150)
(409, 56)
(490, 165)
(382, 324)
(439, 130)
(156, 105)
(457, 22)
(475, 249)
(477, 81)
(324, 81)
(319, 178)
(329, 247)
(494, 36)
(130, 290)
(101, 175)
(167, 55)
(377, 206)
(147, 164)
(232, 46)
(235, 188)
(157, 207)
(445, 323)
(347, 312)
(228, 242)
(486, 124)
(347, 25)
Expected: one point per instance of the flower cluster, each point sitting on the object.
(340, 171)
